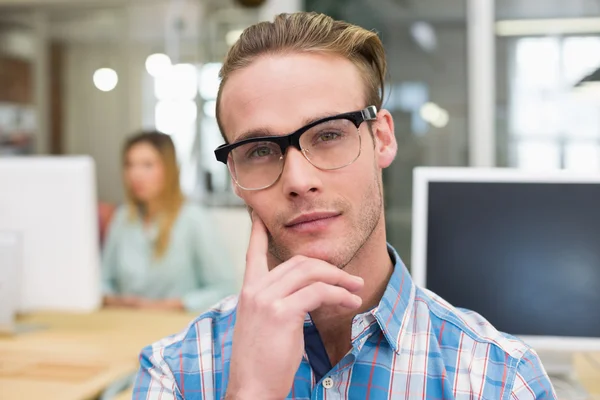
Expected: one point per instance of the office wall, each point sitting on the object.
(96, 122)
(17, 43)
(445, 73)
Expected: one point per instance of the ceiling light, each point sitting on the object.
(434, 115)
(105, 79)
(158, 64)
(424, 35)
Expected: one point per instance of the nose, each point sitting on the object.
(299, 177)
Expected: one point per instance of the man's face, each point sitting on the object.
(330, 214)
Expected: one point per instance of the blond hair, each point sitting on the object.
(171, 199)
(310, 32)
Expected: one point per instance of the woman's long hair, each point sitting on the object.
(171, 198)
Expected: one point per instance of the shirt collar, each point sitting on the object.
(393, 310)
(395, 306)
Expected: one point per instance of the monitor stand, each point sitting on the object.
(561, 369)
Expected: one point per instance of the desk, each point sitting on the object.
(126, 395)
(587, 367)
(77, 356)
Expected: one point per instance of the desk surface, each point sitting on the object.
(77, 356)
(587, 368)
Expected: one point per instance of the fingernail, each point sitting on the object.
(358, 279)
(357, 300)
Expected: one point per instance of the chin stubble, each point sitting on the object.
(364, 227)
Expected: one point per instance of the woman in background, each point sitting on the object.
(161, 252)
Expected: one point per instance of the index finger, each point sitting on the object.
(256, 255)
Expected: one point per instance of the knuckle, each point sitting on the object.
(278, 312)
(317, 271)
(264, 304)
(320, 287)
(311, 269)
(332, 291)
(288, 267)
(247, 294)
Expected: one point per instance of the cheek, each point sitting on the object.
(156, 177)
(258, 203)
(355, 179)
(127, 176)
(135, 175)
(265, 205)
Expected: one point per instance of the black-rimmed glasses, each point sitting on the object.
(329, 143)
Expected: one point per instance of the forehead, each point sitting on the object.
(279, 93)
(142, 149)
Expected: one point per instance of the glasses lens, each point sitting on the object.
(256, 165)
(332, 144)
(329, 145)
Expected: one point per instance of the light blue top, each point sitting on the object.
(195, 267)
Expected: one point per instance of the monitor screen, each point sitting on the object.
(524, 254)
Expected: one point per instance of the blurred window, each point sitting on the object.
(553, 125)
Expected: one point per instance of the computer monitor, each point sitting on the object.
(49, 204)
(522, 249)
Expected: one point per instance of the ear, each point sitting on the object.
(386, 146)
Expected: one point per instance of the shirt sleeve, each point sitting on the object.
(531, 381)
(154, 379)
(110, 254)
(213, 269)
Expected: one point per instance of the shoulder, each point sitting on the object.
(460, 324)
(193, 361)
(464, 337)
(195, 349)
(120, 216)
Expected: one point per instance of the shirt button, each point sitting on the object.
(328, 383)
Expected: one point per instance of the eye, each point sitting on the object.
(260, 151)
(328, 136)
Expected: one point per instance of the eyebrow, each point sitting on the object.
(264, 132)
(261, 132)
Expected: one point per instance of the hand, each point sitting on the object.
(268, 340)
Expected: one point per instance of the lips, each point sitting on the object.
(311, 217)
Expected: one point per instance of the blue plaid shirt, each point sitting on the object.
(413, 345)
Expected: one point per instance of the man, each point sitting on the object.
(327, 309)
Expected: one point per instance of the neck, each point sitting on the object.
(373, 264)
(151, 209)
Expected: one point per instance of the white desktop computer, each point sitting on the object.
(49, 235)
(10, 251)
(522, 249)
